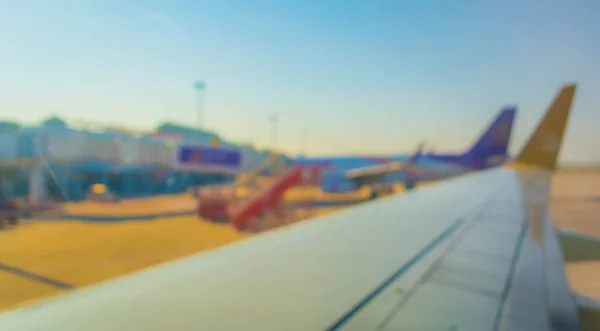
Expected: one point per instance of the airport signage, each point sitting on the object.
(208, 159)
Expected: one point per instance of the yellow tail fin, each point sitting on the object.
(543, 146)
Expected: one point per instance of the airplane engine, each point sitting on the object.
(409, 185)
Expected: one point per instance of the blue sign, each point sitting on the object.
(197, 156)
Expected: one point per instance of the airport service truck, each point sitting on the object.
(9, 211)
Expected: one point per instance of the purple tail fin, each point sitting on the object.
(417, 155)
(491, 148)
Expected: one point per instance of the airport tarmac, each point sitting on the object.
(82, 253)
(78, 253)
(576, 206)
(133, 207)
(171, 205)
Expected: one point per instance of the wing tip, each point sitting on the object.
(544, 145)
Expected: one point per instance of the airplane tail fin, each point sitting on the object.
(417, 155)
(492, 146)
(544, 144)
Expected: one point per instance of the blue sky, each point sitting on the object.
(343, 76)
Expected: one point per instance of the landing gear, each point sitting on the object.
(9, 221)
(410, 185)
(381, 190)
(373, 195)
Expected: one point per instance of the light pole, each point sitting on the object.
(199, 87)
(304, 140)
(273, 120)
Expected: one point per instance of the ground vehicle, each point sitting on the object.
(9, 211)
(99, 192)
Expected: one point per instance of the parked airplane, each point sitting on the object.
(373, 175)
(477, 252)
(491, 149)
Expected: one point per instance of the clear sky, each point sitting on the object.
(342, 75)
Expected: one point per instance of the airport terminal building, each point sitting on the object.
(62, 163)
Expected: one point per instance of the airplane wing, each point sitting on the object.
(477, 253)
(373, 174)
(437, 172)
